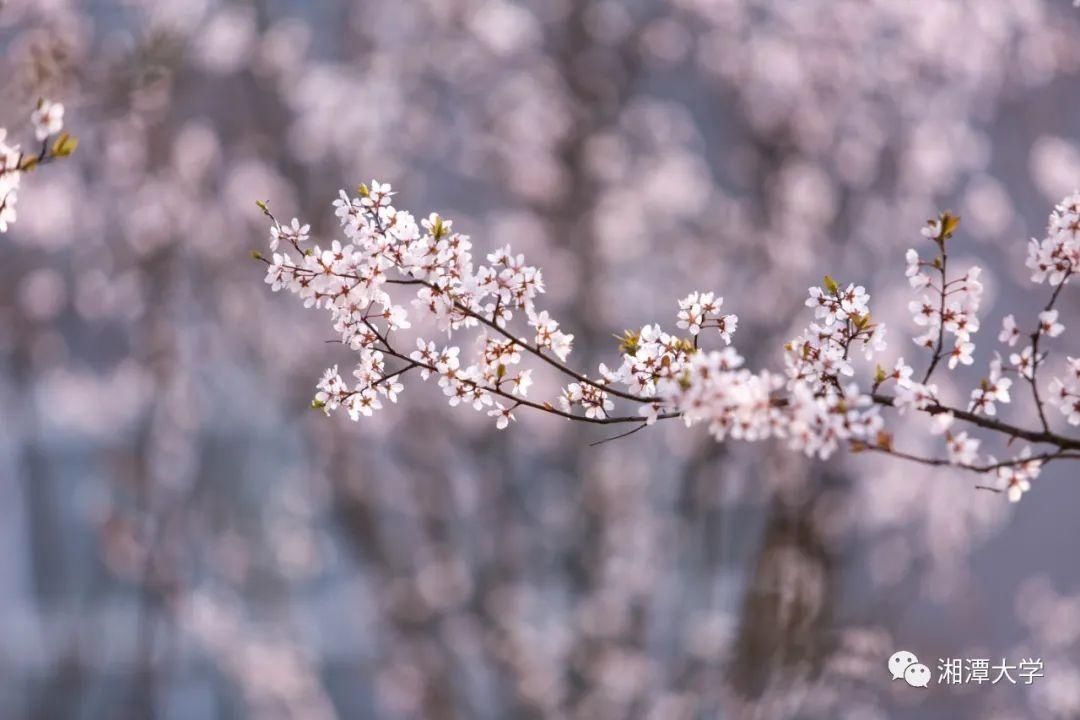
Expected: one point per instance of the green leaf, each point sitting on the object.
(879, 375)
(64, 145)
(949, 223)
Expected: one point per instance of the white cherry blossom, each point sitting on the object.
(1010, 333)
(47, 119)
(1049, 325)
(963, 450)
(815, 405)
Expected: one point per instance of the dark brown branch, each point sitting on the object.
(543, 407)
(944, 462)
(538, 352)
(1066, 447)
(1035, 436)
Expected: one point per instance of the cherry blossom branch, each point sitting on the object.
(1047, 320)
(371, 212)
(47, 120)
(813, 404)
(564, 369)
(1017, 472)
(1043, 458)
(547, 408)
(988, 423)
(534, 350)
(942, 268)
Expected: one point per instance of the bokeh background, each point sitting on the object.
(181, 537)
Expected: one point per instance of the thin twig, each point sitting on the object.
(642, 426)
(1043, 458)
(938, 350)
(1035, 336)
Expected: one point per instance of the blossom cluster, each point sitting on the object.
(47, 120)
(950, 307)
(390, 271)
(1065, 392)
(812, 405)
(10, 177)
(1053, 260)
(436, 264)
(1057, 256)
